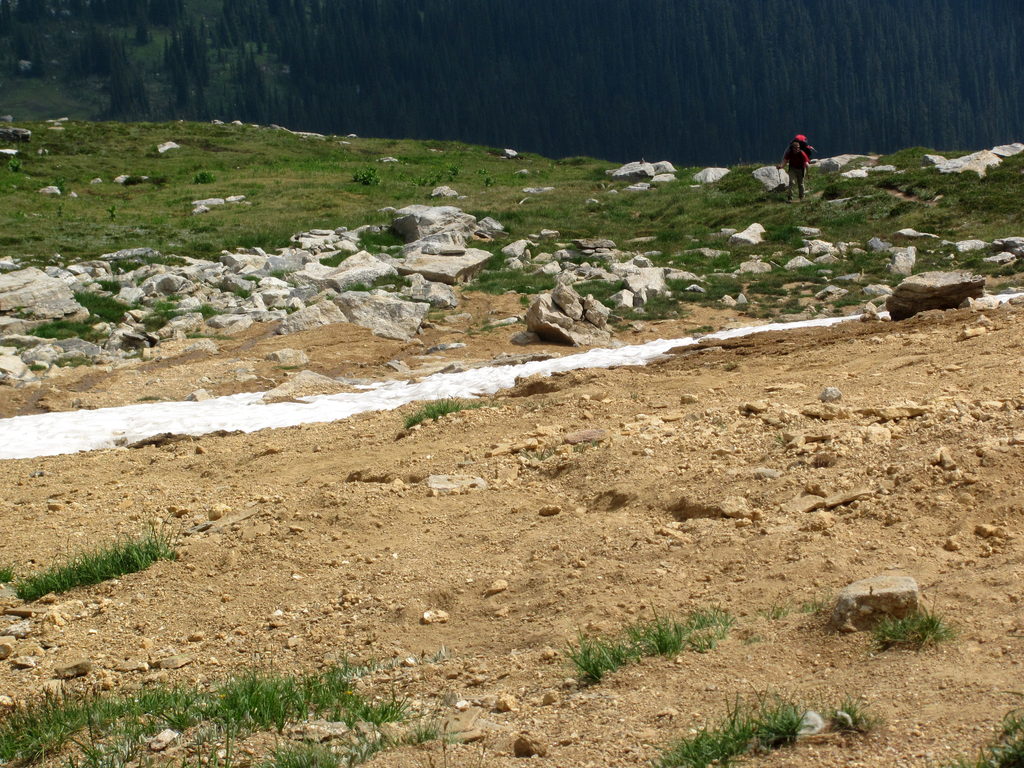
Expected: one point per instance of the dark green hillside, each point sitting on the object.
(694, 81)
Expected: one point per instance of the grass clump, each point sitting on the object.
(6, 574)
(700, 631)
(768, 723)
(1006, 752)
(917, 631)
(437, 409)
(106, 726)
(127, 555)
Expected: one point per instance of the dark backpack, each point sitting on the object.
(807, 148)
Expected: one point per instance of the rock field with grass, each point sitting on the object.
(605, 567)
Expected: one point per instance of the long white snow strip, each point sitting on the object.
(51, 434)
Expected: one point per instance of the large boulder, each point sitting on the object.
(36, 294)
(10, 133)
(752, 235)
(864, 603)
(978, 162)
(837, 163)
(772, 179)
(1008, 150)
(383, 313)
(437, 295)
(933, 290)
(638, 171)
(902, 260)
(358, 269)
(415, 222)
(564, 318)
(710, 175)
(313, 316)
(445, 268)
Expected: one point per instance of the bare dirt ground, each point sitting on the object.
(332, 546)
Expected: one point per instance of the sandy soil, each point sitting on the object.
(331, 545)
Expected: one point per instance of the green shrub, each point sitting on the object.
(368, 177)
(203, 177)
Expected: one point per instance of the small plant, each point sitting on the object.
(14, 165)
(437, 409)
(203, 177)
(112, 212)
(6, 574)
(817, 604)
(595, 657)
(303, 756)
(368, 177)
(917, 631)
(852, 716)
(776, 611)
(125, 556)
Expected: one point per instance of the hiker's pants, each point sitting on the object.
(796, 176)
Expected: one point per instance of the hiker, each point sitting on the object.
(797, 161)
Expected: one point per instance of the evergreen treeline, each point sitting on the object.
(695, 81)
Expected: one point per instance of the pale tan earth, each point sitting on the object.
(354, 564)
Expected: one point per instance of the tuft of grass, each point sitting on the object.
(1007, 751)
(6, 574)
(768, 723)
(918, 631)
(303, 756)
(127, 555)
(776, 611)
(112, 731)
(595, 657)
(438, 408)
(852, 716)
(700, 631)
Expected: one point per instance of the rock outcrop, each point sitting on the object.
(563, 317)
(933, 290)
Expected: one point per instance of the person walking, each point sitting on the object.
(796, 161)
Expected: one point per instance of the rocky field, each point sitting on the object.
(492, 584)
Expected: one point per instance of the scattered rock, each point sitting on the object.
(529, 746)
(434, 616)
(78, 668)
(163, 740)
(862, 604)
(445, 484)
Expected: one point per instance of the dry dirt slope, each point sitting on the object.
(339, 548)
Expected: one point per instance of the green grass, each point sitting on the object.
(918, 631)
(127, 555)
(1007, 751)
(6, 574)
(293, 185)
(111, 731)
(105, 308)
(768, 723)
(436, 409)
(64, 329)
(700, 631)
(776, 611)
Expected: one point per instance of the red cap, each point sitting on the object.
(800, 137)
